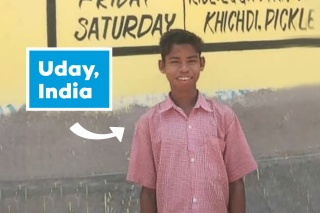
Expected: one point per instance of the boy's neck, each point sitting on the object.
(186, 100)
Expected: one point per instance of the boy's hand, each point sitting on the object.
(148, 202)
(237, 200)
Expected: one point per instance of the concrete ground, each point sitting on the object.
(46, 168)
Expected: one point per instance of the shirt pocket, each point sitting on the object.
(168, 146)
(212, 143)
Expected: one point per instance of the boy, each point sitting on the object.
(189, 153)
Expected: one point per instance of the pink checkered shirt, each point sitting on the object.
(190, 161)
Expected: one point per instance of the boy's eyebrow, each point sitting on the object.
(189, 57)
(174, 57)
(193, 56)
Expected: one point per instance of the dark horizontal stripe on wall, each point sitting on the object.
(226, 46)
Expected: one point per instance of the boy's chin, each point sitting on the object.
(184, 87)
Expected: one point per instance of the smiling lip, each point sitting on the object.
(184, 78)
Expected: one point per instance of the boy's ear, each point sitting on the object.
(202, 63)
(161, 66)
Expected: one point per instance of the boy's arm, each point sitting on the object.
(237, 197)
(148, 203)
(141, 169)
(239, 162)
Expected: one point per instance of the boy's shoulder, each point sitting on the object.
(222, 111)
(219, 107)
(152, 111)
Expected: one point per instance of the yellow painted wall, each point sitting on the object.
(24, 25)
(19, 29)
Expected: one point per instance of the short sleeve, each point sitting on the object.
(238, 156)
(141, 168)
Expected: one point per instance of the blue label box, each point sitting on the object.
(69, 79)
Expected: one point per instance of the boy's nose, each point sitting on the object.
(184, 68)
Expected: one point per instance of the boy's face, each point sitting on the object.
(182, 67)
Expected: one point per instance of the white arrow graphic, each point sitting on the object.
(82, 132)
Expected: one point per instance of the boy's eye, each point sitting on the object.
(174, 62)
(192, 62)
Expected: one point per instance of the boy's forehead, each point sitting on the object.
(182, 49)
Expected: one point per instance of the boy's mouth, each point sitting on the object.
(184, 78)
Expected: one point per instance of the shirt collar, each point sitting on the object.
(201, 102)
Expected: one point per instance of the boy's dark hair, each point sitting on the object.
(179, 36)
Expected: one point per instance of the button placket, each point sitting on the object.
(192, 160)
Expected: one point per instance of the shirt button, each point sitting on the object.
(194, 200)
(189, 127)
(192, 160)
